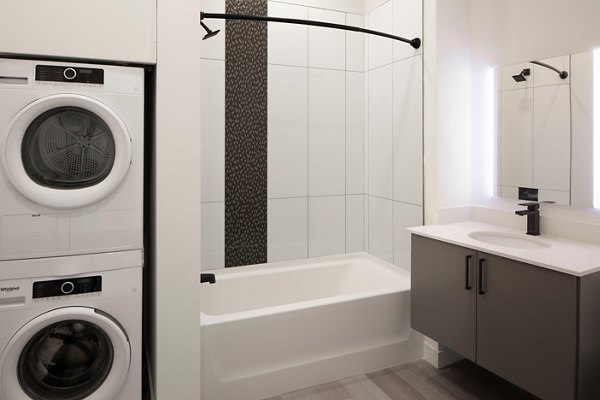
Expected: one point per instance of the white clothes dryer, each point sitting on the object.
(72, 336)
(71, 165)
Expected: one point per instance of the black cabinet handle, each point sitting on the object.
(481, 288)
(467, 267)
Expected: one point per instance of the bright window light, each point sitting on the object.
(596, 155)
(490, 131)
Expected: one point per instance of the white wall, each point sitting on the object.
(112, 30)
(447, 88)
(176, 270)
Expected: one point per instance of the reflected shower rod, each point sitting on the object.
(416, 42)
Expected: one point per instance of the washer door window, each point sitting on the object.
(70, 353)
(67, 151)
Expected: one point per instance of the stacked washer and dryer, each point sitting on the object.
(71, 230)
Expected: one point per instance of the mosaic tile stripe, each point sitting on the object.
(245, 135)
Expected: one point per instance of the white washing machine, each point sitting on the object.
(71, 336)
(71, 158)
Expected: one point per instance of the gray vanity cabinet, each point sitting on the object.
(443, 294)
(535, 327)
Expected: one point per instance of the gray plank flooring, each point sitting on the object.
(416, 381)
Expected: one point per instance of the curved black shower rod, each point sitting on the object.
(562, 74)
(416, 42)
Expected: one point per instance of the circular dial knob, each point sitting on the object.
(67, 288)
(69, 73)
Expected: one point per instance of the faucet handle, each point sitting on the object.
(532, 205)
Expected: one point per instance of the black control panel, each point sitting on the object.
(66, 287)
(54, 73)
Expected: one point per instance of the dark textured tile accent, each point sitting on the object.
(246, 255)
(246, 224)
(245, 135)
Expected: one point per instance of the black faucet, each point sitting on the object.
(533, 217)
(210, 278)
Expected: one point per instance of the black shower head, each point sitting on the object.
(209, 32)
(522, 75)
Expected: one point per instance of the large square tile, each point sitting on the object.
(408, 23)
(355, 224)
(326, 47)
(287, 229)
(355, 103)
(327, 132)
(380, 131)
(326, 225)
(408, 131)
(381, 228)
(380, 48)
(287, 132)
(355, 49)
(288, 43)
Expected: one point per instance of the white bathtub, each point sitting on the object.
(273, 328)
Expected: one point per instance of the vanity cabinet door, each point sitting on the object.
(443, 293)
(527, 326)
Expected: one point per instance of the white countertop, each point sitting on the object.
(568, 256)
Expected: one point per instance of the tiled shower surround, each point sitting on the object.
(344, 135)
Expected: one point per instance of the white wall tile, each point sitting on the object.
(380, 131)
(213, 48)
(552, 138)
(327, 131)
(355, 44)
(288, 43)
(543, 76)
(326, 225)
(355, 224)
(509, 192)
(355, 102)
(380, 48)
(326, 47)
(213, 235)
(287, 132)
(287, 221)
(407, 23)
(405, 216)
(212, 134)
(515, 138)
(408, 131)
(381, 228)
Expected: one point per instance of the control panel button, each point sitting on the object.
(67, 287)
(69, 73)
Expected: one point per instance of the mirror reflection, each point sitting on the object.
(545, 125)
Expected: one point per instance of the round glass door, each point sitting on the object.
(70, 353)
(68, 360)
(66, 151)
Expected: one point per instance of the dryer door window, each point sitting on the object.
(69, 353)
(68, 147)
(68, 360)
(67, 151)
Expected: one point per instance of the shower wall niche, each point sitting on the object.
(343, 136)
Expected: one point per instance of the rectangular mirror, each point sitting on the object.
(545, 130)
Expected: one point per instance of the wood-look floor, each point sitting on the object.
(416, 381)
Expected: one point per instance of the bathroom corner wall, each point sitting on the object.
(315, 136)
(394, 127)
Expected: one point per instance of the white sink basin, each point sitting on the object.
(508, 240)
